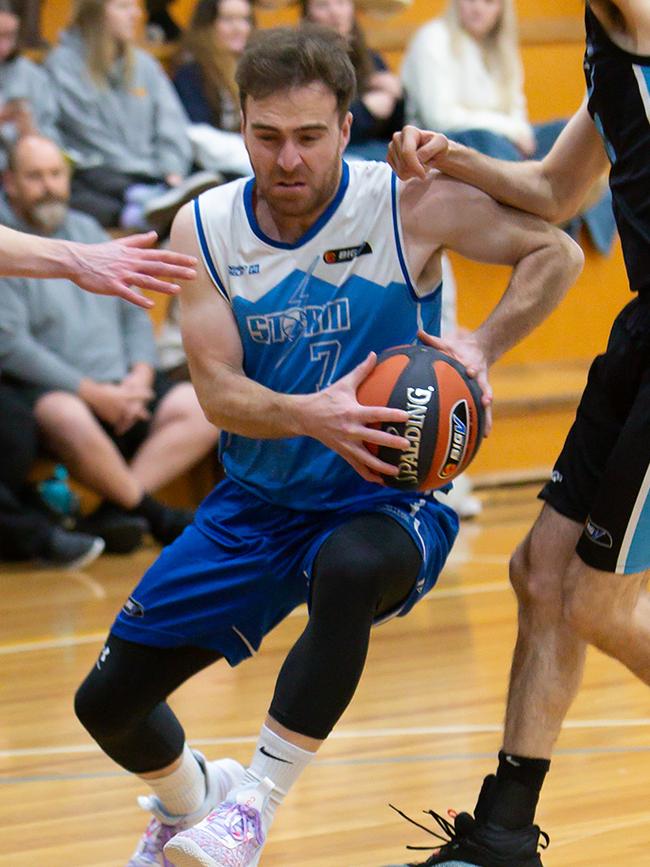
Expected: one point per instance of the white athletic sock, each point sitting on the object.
(183, 791)
(279, 761)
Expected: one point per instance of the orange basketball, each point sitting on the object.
(446, 417)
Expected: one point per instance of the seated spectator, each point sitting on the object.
(26, 532)
(86, 365)
(27, 102)
(462, 72)
(378, 111)
(119, 117)
(205, 81)
(463, 76)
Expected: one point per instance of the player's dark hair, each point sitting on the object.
(282, 58)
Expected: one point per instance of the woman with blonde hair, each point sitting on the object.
(119, 116)
(463, 75)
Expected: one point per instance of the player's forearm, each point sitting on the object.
(539, 282)
(236, 404)
(521, 185)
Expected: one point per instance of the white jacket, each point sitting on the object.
(449, 92)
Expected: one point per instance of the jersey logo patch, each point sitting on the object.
(133, 608)
(346, 254)
(240, 270)
(598, 535)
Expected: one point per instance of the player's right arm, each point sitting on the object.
(554, 188)
(235, 403)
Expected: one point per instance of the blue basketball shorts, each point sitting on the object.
(245, 564)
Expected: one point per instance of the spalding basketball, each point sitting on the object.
(446, 417)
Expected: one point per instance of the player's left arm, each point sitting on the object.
(441, 212)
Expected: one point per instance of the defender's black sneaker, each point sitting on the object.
(477, 842)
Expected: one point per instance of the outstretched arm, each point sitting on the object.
(109, 268)
(233, 402)
(554, 188)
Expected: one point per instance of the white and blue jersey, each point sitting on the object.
(308, 313)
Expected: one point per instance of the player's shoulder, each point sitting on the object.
(221, 196)
(367, 175)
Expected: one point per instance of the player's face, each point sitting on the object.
(232, 26)
(121, 18)
(479, 17)
(337, 14)
(295, 140)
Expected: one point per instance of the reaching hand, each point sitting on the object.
(335, 417)
(116, 267)
(413, 151)
(464, 347)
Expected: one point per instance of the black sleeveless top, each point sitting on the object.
(618, 87)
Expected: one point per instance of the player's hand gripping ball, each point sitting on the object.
(446, 416)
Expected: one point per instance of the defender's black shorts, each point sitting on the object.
(602, 477)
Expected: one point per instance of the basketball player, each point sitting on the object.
(581, 573)
(307, 270)
(111, 268)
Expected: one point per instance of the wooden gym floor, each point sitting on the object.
(421, 732)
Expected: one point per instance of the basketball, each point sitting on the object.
(446, 417)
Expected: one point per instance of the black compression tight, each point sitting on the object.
(123, 704)
(366, 567)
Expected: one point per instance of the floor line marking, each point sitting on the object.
(345, 762)
(98, 637)
(351, 734)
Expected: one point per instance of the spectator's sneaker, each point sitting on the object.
(64, 549)
(232, 835)
(122, 531)
(220, 777)
(161, 210)
(479, 842)
(168, 523)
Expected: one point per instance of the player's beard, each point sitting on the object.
(49, 214)
(313, 202)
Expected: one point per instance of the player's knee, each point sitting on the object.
(97, 710)
(537, 587)
(345, 578)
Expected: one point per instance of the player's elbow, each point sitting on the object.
(567, 258)
(573, 256)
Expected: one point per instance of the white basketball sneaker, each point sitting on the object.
(220, 777)
(232, 835)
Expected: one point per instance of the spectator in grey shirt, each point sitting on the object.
(119, 116)
(27, 102)
(86, 364)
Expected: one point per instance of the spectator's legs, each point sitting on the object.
(23, 532)
(18, 439)
(74, 434)
(101, 193)
(488, 143)
(179, 436)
